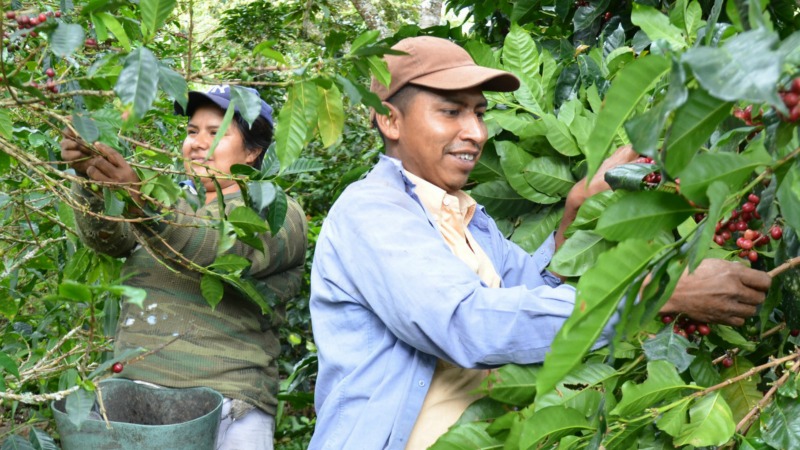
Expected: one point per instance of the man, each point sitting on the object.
(414, 290)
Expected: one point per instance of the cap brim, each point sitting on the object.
(466, 77)
(195, 97)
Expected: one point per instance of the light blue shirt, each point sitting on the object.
(388, 298)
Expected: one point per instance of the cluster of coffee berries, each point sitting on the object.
(653, 178)
(25, 21)
(746, 115)
(686, 327)
(791, 98)
(50, 84)
(738, 226)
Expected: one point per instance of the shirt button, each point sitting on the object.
(446, 202)
(421, 383)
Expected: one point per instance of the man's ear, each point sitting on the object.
(389, 124)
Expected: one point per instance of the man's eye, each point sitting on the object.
(451, 112)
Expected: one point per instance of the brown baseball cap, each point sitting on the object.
(437, 63)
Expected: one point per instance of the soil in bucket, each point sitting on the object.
(143, 418)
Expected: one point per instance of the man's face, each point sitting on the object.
(440, 135)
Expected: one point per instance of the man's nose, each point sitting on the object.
(474, 129)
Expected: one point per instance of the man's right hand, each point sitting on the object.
(75, 152)
(719, 291)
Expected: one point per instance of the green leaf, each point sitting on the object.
(85, 126)
(6, 125)
(746, 67)
(129, 293)
(710, 423)
(365, 38)
(500, 199)
(579, 253)
(576, 384)
(229, 263)
(706, 168)
(154, 14)
(292, 126)
(113, 24)
(17, 442)
(72, 290)
(552, 423)
(522, 125)
(599, 292)
(657, 26)
(671, 347)
(559, 136)
(66, 39)
(629, 176)
(742, 395)
(173, 84)
(261, 194)
(642, 215)
(10, 366)
(303, 165)
(780, 423)
(511, 384)
(718, 194)
(514, 160)
(247, 102)
(266, 50)
(379, 69)
(42, 440)
(244, 218)
(471, 435)
(628, 89)
(789, 196)
(330, 115)
(520, 54)
(549, 175)
(221, 131)
(591, 210)
(114, 207)
(675, 420)
(692, 126)
(212, 289)
(731, 336)
(78, 406)
(138, 81)
(535, 228)
(276, 215)
(662, 382)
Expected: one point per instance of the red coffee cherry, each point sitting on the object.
(776, 232)
(703, 329)
(667, 319)
(117, 367)
(794, 332)
(727, 361)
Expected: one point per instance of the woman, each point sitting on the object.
(233, 347)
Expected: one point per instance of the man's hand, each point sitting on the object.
(75, 152)
(720, 292)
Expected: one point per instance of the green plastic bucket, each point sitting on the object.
(145, 418)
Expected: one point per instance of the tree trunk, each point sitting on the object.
(371, 16)
(430, 13)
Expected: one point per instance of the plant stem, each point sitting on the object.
(784, 267)
(747, 420)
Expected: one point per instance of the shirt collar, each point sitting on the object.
(434, 198)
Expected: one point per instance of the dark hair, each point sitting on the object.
(255, 137)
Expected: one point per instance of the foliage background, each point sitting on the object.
(665, 76)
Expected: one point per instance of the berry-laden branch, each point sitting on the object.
(748, 419)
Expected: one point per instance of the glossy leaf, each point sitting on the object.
(746, 67)
(591, 210)
(575, 384)
(552, 423)
(72, 290)
(9, 365)
(511, 384)
(500, 199)
(629, 88)
(471, 435)
(662, 382)
(330, 115)
(579, 253)
(261, 194)
(629, 176)
(520, 54)
(154, 14)
(514, 160)
(113, 24)
(212, 289)
(599, 292)
(549, 175)
(559, 136)
(247, 103)
(66, 39)
(42, 440)
(780, 423)
(138, 82)
(692, 126)
(710, 423)
(671, 347)
(17, 442)
(522, 125)
(535, 228)
(742, 395)
(706, 168)
(789, 196)
(276, 214)
(229, 263)
(675, 420)
(718, 195)
(174, 85)
(6, 126)
(78, 406)
(642, 215)
(292, 125)
(657, 26)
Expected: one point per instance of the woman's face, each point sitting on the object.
(200, 133)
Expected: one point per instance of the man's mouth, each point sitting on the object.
(465, 156)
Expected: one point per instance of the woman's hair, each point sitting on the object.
(256, 137)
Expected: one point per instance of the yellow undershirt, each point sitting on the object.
(449, 393)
